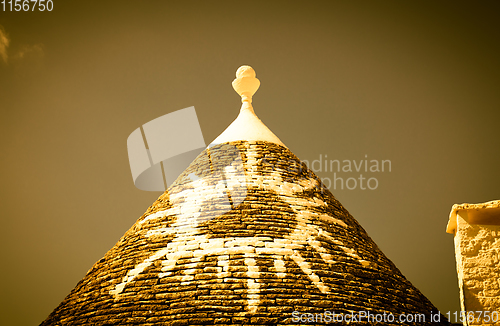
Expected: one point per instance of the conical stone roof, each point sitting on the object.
(247, 235)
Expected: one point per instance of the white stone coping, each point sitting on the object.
(483, 213)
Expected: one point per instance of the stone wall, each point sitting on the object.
(477, 250)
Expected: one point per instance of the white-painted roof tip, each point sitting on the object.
(247, 126)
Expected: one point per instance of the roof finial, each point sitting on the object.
(245, 83)
(247, 126)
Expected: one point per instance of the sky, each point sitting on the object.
(415, 83)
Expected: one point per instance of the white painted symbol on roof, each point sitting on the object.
(188, 243)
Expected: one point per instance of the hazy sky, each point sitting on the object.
(413, 82)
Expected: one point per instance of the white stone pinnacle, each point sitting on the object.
(247, 126)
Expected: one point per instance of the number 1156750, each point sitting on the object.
(27, 5)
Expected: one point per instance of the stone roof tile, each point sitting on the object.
(254, 263)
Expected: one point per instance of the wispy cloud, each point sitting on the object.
(4, 44)
(21, 53)
(33, 51)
